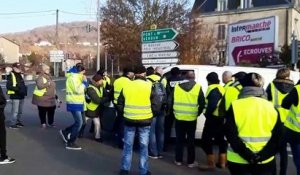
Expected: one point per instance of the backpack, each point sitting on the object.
(159, 96)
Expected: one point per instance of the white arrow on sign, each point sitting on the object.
(159, 46)
(157, 61)
(171, 54)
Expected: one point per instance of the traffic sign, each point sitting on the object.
(159, 65)
(159, 35)
(56, 55)
(159, 61)
(160, 46)
(160, 54)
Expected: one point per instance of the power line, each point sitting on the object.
(26, 16)
(28, 12)
(79, 14)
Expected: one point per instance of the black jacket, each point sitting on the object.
(238, 145)
(213, 99)
(188, 86)
(121, 104)
(2, 100)
(283, 85)
(20, 89)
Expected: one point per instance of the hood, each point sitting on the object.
(252, 91)
(187, 86)
(71, 71)
(284, 85)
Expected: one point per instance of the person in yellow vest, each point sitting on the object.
(44, 96)
(156, 142)
(95, 101)
(214, 124)
(276, 91)
(118, 86)
(227, 79)
(253, 130)
(135, 102)
(188, 103)
(76, 84)
(17, 90)
(292, 124)
(106, 79)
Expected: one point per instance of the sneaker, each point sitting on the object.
(177, 163)
(19, 124)
(123, 172)
(160, 156)
(152, 156)
(13, 127)
(64, 136)
(51, 126)
(7, 161)
(44, 126)
(72, 146)
(193, 165)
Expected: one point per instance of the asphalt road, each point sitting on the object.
(41, 151)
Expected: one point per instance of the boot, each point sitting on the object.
(222, 161)
(210, 163)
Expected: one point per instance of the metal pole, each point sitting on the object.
(118, 64)
(105, 59)
(112, 67)
(98, 35)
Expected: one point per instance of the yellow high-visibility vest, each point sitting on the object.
(255, 119)
(277, 98)
(14, 83)
(119, 84)
(186, 103)
(75, 89)
(231, 94)
(40, 92)
(137, 100)
(293, 119)
(228, 84)
(155, 77)
(222, 91)
(91, 105)
(106, 81)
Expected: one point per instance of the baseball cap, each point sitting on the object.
(16, 65)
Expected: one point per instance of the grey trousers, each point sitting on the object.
(16, 110)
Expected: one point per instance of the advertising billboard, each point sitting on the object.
(251, 40)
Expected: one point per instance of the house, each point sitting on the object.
(43, 44)
(9, 50)
(221, 13)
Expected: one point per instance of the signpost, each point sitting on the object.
(56, 56)
(158, 47)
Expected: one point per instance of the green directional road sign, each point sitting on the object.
(159, 35)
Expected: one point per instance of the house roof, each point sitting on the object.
(9, 40)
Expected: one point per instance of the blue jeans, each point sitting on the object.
(16, 110)
(296, 155)
(157, 135)
(75, 127)
(129, 134)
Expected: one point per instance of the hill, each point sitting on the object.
(71, 37)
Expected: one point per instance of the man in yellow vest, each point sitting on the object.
(17, 90)
(253, 130)
(292, 123)
(276, 91)
(76, 84)
(118, 86)
(188, 103)
(214, 124)
(227, 79)
(135, 102)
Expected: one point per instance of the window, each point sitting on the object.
(222, 5)
(246, 4)
(221, 32)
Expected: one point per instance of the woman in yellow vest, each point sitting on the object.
(44, 96)
(214, 123)
(276, 91)
(253, 130)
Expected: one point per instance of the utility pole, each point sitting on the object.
(98, 34)
(294, 50)
(55, 66)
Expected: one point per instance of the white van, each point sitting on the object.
(201, 72)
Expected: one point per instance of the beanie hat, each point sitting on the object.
(239, 75)
(252, 79)
(139, 69)
(213, 78)
(97, 77)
